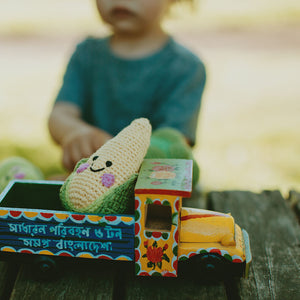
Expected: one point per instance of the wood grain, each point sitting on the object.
(274, 237)
(8, 273)
(74, 281)
(172, 288)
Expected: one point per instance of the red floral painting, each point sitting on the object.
(163, 168)
(155, 255)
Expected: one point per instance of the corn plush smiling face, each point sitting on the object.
(109, 167)
(95, 164)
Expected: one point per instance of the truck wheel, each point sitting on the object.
(44, 267)
(212, 265)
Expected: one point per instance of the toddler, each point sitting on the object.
(137, 71)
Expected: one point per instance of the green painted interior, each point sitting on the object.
(33, 195)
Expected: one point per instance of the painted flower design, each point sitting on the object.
(163, 175)
(155, 255)
(156, 182)
(167, 168)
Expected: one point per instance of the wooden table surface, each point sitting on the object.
(273, 227)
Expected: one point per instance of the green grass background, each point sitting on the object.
(249, 127)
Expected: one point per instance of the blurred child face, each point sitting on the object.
(133, 16)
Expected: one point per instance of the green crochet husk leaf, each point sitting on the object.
(82, 161)
(118, 200)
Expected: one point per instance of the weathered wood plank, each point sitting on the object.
(8, 273)
(75, 281)
(274, 238)
(172, 288)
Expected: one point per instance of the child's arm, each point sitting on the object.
(77, 138)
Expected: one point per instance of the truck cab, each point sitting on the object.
(168, 235)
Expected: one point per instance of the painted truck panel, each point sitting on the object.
(158, 235)
(62, 233)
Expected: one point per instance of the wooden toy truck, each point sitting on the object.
(160, 236)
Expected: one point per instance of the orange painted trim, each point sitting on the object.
(188, 217)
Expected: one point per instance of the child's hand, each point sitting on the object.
(82, 143)
(77, 138)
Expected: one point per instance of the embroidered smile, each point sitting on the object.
(107, 164)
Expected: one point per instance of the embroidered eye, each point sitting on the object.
(108, 163)
(95, 157)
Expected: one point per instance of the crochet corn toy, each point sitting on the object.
(18, 168)
(104, 182)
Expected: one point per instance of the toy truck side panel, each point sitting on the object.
(234, 253)
(158, 197)
(62, 233)
(234, 261)
(211, 234)
(156, 235)
(201, 225)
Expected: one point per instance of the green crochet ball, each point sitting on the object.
(17, 168)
